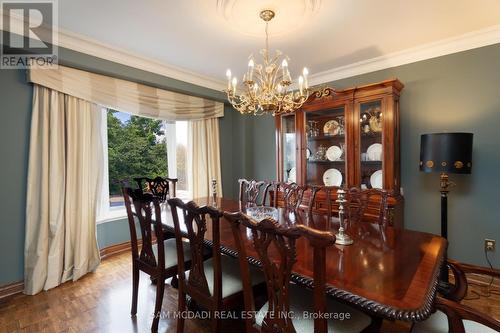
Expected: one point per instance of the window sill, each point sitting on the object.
(113, 215)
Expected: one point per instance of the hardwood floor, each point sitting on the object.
(100, 302)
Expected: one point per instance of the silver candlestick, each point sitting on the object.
(341, 237)
(214, 192)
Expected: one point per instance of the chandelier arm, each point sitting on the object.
(259, 76)
(235, 100)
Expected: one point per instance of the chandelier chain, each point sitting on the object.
(267, 40)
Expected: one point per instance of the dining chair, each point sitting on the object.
(251, 190)
(451, 315)
(288, 195)
(163, 188)
(327, 205)
(367, 205)
(275, 245)
(157, 257)
(214, 284)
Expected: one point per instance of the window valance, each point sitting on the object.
(126, 96)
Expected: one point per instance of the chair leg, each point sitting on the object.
(160, 288)
(135, 290)
(181, 307)
(215, 323)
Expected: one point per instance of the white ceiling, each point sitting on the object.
(208, 36)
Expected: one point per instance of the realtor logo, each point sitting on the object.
(28, 36)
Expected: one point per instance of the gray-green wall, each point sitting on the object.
(458, 92)
(15, 106)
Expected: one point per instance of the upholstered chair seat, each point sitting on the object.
(171, 252)
(301, 301)
(231, 277)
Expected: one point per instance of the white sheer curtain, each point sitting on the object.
(170, 134)
(64, 184)
(204, 157)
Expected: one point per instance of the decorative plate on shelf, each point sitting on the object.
(376, 179)
(376, 123)
(331, 128)
(333, 153)
(332, 177)
(308, 153)
(374, 152)
(292, 175)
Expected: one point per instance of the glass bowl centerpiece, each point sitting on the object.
(260, 213)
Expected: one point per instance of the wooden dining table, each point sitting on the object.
(388, 272)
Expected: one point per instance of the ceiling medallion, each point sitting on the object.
(293, 16)
(266, 87)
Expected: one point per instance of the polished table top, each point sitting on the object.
(387, 271)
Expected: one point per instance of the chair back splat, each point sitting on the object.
(370, 204)
(276, 248)
(289, 196)
(162, 188)
(252, 190)
(328, 206)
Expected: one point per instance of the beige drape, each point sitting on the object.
(64, 181)
(126, 96)
(204, 157)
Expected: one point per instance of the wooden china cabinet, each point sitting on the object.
(345, 138)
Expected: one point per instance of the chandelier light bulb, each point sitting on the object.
(235, 82)
(249, 75)
(305, 73)
(228, 75)
(284, 64)
(279, 88)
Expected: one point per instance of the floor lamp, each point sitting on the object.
(446, 153)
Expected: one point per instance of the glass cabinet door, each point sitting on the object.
(325, 147)
(371, 144)
(289, 144)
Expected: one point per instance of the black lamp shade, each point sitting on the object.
(446, 152)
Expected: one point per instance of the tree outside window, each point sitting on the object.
(136, 148)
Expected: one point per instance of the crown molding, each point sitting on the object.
(468, 41)
(92, 47)
(83, 44)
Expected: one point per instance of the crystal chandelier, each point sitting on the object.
(266, 87)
